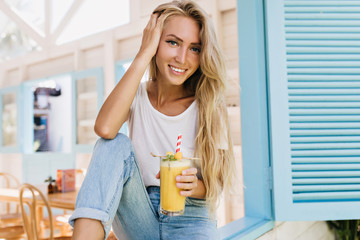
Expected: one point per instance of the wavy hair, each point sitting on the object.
(213, 143)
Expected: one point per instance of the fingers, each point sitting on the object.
(151, 36)
(187, 181)
(190, 171)
(159, 12)
(153, 19)
(187, 178)
(160, 21)
(187, 189)
(158, 175)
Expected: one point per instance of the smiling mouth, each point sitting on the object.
(177, 69)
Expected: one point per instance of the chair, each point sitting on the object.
(12, 233)
(33, 222)
(11, 226)
(12, 215)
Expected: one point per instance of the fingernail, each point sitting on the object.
(183, 172)
(177, 178)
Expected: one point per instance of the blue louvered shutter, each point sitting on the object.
(314, 102)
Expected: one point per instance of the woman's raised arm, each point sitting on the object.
(115, 110)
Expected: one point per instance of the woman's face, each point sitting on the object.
(178, 54)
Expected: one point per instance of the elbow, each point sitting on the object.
(104, 132)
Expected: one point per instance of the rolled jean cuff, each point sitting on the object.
(91, 213)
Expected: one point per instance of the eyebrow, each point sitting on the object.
(180, 40)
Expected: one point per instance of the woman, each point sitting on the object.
(185, 94)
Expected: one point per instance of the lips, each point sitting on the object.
(178, 70)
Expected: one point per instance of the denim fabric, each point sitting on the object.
(193, 224)
(114, 193)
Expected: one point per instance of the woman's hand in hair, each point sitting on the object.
(151, 35)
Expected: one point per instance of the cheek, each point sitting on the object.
(159, 59)
(195, 61)
(161, 54)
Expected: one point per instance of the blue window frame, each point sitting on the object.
(254, 124)
(314, 82)
(88, 94)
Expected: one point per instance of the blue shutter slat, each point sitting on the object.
(327, 188)
(323, 64)
(324, 159)
(324, 70)
(327, 57)
(323, 23)
(325, 153)
(325, 98)
(323, 126)
(317, 37)
(327, 132)
(302, 34)
(304, 105)
(325, 173)
(337, 139)
(327, 145)
(323, 167)
(324, 181)
(324, 9)
(328, 196)
(324, 119)
(326, 111)
(329, 3)
(320, 85)
(317, 159)
(328, 16)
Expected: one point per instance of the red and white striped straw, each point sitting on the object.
(178, 143)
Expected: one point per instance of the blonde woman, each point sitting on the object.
(185, 94)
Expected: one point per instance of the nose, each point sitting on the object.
(181, 55)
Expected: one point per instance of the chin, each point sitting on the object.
(178, 83)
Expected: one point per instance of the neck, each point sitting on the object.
(165, 92)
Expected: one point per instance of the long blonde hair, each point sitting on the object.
(208, 85)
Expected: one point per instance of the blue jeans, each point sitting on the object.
(113, 192)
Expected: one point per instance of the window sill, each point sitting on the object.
(246, 228)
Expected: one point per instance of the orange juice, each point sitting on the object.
(171, 202)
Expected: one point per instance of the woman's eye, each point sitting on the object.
(172, 42)
(195, 49)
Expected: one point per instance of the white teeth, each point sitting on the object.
(177, 69)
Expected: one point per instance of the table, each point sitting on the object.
(63, 200)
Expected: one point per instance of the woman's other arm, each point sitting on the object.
(115, 110)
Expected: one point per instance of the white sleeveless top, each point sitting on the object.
(153, 131)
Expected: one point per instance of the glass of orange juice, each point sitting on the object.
(171, 202)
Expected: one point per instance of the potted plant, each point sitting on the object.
(345, 229)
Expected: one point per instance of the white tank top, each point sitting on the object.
(153, 131)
